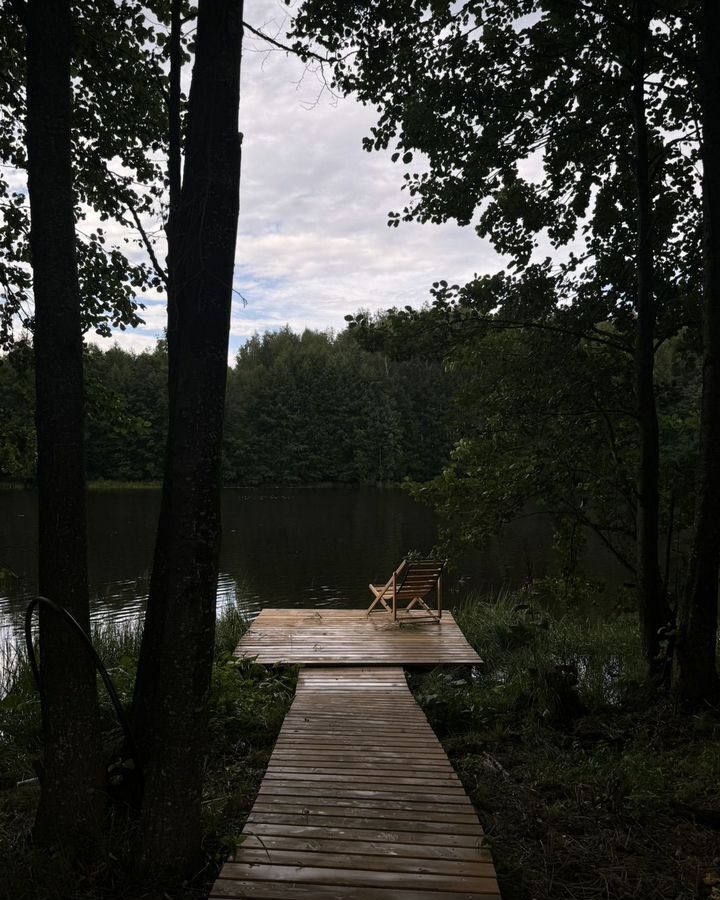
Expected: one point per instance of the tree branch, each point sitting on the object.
(305, 52)
(159, 271)
(543, 326)
(600, 532)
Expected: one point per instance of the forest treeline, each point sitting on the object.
(301, 408)
(485, 420)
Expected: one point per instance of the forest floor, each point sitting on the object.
(247, 707)
(588, 782)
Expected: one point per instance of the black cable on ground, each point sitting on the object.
(72, 621)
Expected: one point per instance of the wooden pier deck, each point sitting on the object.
(350, 636)
(359, 802)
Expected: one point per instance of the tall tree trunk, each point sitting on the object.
(71, 800)
(695, 675)
(651, 603)
(176, 656)
(174, 163)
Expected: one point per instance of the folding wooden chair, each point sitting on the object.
(408, 589)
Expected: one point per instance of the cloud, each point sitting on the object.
(313, 243)
(133, 340)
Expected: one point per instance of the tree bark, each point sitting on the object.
(174, 163)
(176, 656)
(695, 672)
(71, 799)
(651, 605)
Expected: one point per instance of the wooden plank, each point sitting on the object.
(392, 849)
(340, 858)
(318, 763)
(329, 793)
(263, 890)
(432, 756)
(390, 819)
(275, 801)
(317, 875)
(374, 833)
(359, 802)
(374, 778)
(369, 811)
(312, 637)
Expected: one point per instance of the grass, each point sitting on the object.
(247, 706)
(586, 779)
(13, 662)
(588, 782)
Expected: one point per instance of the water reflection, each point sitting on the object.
(281, 547)
(295, 547)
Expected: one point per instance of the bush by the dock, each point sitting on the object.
(248, 705)
(588, 782)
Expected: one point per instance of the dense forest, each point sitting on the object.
(300, 409)
(401, 397)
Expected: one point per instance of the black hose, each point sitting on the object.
(112, 693)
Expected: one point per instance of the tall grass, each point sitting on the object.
(117, 643)
(232, 623)
(522, 644)
(13, 663)
(535, 664)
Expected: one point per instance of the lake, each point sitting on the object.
(282, 546)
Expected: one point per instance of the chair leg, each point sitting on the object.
(381, 600)
(435, 615)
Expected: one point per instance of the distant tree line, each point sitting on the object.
(300, 409)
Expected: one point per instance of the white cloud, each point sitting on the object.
(313, 243)
(133, 340)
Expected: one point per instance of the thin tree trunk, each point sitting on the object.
(174, 159)
(649, 590)
(176, 656)
(174, 173)
(71, 801)
(695, 673)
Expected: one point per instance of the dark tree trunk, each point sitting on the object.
(651, 604)
(71, 801)
(176, 656)
(174, 162)
(695, 676)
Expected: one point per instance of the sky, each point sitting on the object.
(313, 241)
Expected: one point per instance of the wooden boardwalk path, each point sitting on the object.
(349, 636)
(359, 802)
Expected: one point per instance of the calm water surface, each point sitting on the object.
(301, 547)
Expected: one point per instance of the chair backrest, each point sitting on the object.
(419, 577)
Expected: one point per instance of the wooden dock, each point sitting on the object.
(359, 801)
(349, 636)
